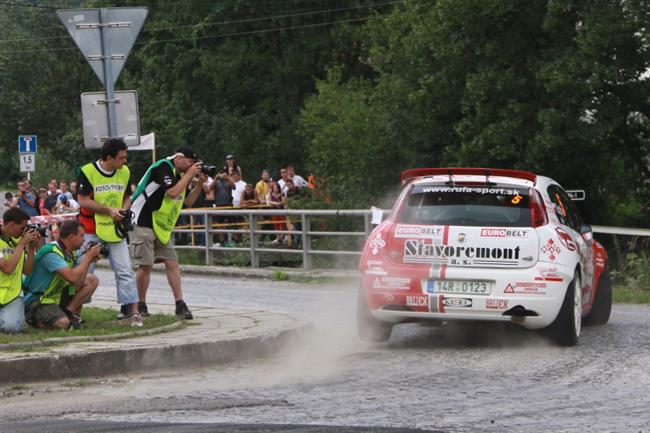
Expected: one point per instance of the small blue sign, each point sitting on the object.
(27, 143)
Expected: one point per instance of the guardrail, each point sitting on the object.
(252, 224)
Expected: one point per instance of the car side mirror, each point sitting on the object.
(587, 233)
(585, 229)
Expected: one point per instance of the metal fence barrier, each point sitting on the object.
(252, 224)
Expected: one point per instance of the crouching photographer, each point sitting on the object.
(58, 286)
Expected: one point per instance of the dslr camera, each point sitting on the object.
(127, 222)
(41, 230)
(104, 250)
(208, 170)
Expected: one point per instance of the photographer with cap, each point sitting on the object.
(104, 199)
(18, 245)
(66, 205)
(60, 284)
(157, 202)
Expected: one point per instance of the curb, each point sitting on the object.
(81, 338)
(138, 359)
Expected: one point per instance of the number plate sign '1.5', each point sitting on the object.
(27, 162)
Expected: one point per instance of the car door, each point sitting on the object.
(570, 235)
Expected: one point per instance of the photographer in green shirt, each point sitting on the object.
(58, 286)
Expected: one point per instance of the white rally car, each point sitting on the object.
(483, 244)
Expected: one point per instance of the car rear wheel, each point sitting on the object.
(369, 328)
(565, 329)
(602, 307)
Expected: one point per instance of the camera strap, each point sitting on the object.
(120, 229)
(9, 241)
(65, 252)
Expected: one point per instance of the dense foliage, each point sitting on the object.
(358, 90)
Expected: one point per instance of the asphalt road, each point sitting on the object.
(470, 378)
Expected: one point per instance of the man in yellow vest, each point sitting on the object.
(157, 202)
(59, 284)
(17, 248)
(104, 197)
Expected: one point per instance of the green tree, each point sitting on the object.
(549, 86)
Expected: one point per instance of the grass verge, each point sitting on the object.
(630, 295)
(98, 322)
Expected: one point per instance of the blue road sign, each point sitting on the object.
(27, 143)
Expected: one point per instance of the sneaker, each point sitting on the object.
(142, 308)
(182, 311)
(124, 312)
(136, 321)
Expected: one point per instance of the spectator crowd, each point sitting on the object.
(60, 197)
(227, 189)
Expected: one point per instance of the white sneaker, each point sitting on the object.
(136, 321)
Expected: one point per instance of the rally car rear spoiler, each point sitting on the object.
(413, 173)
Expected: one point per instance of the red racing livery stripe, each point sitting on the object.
(445, 241)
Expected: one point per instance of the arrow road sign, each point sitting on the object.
(27, 143)
(94, 31)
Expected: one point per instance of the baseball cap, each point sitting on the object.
(63, 197)
(230, 157)
(187, 152)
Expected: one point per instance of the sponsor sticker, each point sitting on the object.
(419, 251)
(526, 288)
(457, 302)
(503, 233)
(470, 189)
(377, 244)
(551, 249)
(565, 239)
(417, 301)
(418, 232)
(496, 304)
(375, 267)
(392, 283)
(548, 274)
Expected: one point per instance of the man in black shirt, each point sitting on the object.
(223, 187)
(157, 202)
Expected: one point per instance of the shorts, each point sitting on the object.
(38, 315)
(145, 249)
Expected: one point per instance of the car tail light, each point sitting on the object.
(537, 211)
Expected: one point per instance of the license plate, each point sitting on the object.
(460, 286)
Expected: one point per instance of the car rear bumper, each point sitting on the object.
(531, 297)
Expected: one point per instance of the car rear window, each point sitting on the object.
(494, 205)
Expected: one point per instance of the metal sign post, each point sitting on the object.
(109, 82)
